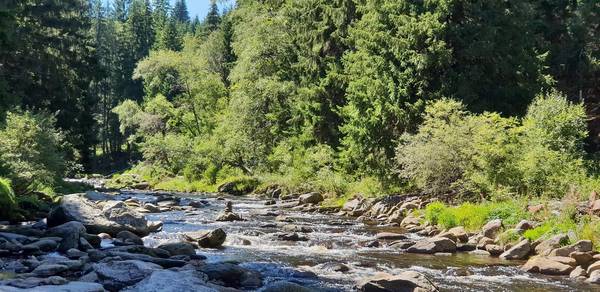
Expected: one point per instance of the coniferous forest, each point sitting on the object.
(486, 106)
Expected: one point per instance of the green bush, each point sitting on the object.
(31, 153)
(474, 216)
(8, 202)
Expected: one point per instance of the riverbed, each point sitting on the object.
(336, 241)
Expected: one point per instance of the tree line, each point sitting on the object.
(297, 92)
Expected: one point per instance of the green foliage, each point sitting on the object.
(31, 152)
(8, 202)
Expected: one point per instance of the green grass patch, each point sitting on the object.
(8, 203)
(473, 216)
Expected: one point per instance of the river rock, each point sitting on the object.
(129, 237)
(211, 239)
(47, 270)
(582, 258)
(70, 233)
(594, 277)
(69, 287)
(593, 267)
(155, 226)
(410, 220)
(433, 245)
(46, 245)
(120, 274)
(402, 244)
(492, 228)
(296, 228)
(310, 198)
(456, 234)
(179, 248)
(494, 249)
(547, 266)
(580, 246)
(286, 286)
(231, 275)
(173, 281)
(390, 236)
(151, 208)
(406, 281)
(31, 282)
(518, 252)
(524, 225)
(113, 218)
(546, 246)
(333, 267)
(290, 237)
(75, 253)
(229, 217)
(578, 273)
(163, 262)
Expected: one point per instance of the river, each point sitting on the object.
(337, 240)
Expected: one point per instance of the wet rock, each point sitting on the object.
(410, 220)
(173, 281)
(546, 246)
(492, 228)
(310, 198)
(28, 283)
(129, 237)
(578, 273)
(120, 274)
(463, 247)
(333, 267)
(593, 267)
(390, 236)
(518, 252)
(286, 286)
(113, 218)
(283, 218)
(402, 244)
(211, 239)
(47, 270)
(104, 236)
(484, 241)
(296, 228)
(406, 281)
(373, 243)
(231, 275)
(547, 266)
(155, 226)
(433, 245)
(270, 202)
(74, 253)
(290, 237)
(179, 248)
(163, 262)
(456, 234)
(151, 208)
(229, 216)
(70, 233)
(69, 287)
(479, 252)
(45, 245)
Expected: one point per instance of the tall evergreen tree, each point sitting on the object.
(213, 19)
(180, 12)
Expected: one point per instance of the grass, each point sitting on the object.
(473, 216)
(7, 199)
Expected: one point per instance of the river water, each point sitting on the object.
(338, 240)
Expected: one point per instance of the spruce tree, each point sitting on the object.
(180, 12)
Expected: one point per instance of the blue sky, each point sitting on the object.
(200, 7)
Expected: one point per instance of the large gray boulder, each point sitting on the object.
(210, 239)
(70, 232)
(120, 274)
(406, 281)
(179, 248)
(231, 275)
(70, 287)
(518, 252)
(433, 245)
(172, 281)
(112, 218)
(547, 266)
(310, 198)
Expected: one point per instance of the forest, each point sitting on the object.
(464, 99)
(299, 145)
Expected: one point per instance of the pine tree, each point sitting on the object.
(213, 19)
(180, 12)
(170, 37)
(120, 8)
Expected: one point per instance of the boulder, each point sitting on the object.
(580, 246)
(113, 218)
(47, 270)
(31, 282)
(593, 267)
(286, 286)
(524, 225)
(163, 262)
(120, 274)
(494, 249)
(578, 273)
(390, 236)
(433, 245)
(492, 228)
(45, 245)
(69, 287)
(310, 198)
(151, 208)
(582, 258)
(70, 233)
(546, 246)
(290, 237)
(129, 237)
(173, 281)
(459, 233)
(179, 248)
(229, 217)
(594, 277)
(211, 239)
(547, 266)
(231, 275)
(296, 228)
(406, 281)
(518, 252)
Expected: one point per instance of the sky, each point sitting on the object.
(200, 7)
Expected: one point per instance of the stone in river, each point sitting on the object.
(69, 287)
(492, 228)
(211, 239)
(173, 281)
(518, 252)
(129, 237)
(120, 274)
(47, 270)
(547, 266)
(70, 233)
(433, 245)
(390, 236)
(179, 248)
(406, 281)
(310, 198)
(291, 237)
(232, 275)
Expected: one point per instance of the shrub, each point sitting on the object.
(8, 203)
(433, 211)
(31, 153)
(474, 216)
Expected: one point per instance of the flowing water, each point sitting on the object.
(338, 240)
